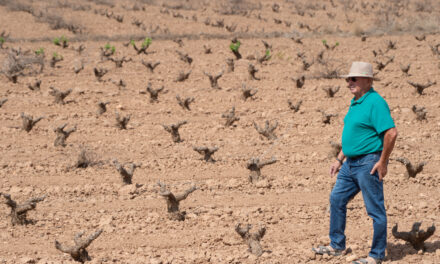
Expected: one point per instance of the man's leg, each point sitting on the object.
(344, 189)
(372, 192)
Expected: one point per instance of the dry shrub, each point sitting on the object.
(358, 30)
(57, 22)
(86, 158)
(313, 6)
(236, 7)
(73, 6)
(18, 6)
(388, 14)
(109, 3)
(147, 2)
(20, 63)
(182, 5)
(347, 4)
(328, 30)
(427, 24)
(329, 71)
(423, 6)
(328, 66)
(391, 17)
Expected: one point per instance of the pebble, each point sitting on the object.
(423, 205)
(406, 110)
(351, 258)
(354, 247)
(106, 220)
(323, 240)
(233, 183)
(262, 184)
(310, 255)
(27, 260)
(155, 261)
(127, 189)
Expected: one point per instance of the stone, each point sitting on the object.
(310, 255)
(155, 261)
(233, 183)
(406, 110)
(423, 205)
(266, 254)
(263, 184)
(323, 240)
(27, 260)
(354, 247)
(14, 190)
(106, 220)
(127, 189)
(351, 258)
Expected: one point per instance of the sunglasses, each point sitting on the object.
(353, 79)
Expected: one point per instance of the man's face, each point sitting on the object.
(358, 85)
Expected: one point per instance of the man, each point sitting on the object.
(368, 138)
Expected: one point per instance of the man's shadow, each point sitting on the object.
(399, 251)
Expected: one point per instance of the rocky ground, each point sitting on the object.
(290, 201)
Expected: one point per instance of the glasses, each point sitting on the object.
(353, 79)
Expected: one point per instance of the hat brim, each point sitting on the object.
(356, 75)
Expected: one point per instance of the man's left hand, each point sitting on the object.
(381, 168)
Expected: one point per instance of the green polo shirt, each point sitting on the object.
(365, 123)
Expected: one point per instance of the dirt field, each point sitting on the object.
(292, 199)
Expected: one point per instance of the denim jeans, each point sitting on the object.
(354, 176)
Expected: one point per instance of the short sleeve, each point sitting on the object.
(381, 116)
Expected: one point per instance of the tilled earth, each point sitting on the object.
(292, 199)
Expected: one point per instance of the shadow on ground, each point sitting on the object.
(399, 251)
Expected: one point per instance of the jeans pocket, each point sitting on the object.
(375, 175)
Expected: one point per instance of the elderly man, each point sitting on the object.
(368, 138)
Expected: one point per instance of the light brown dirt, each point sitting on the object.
(291, 202)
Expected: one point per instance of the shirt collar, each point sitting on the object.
(360, 100)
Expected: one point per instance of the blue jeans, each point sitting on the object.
(354, 176)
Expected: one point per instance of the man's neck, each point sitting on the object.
(362, 93)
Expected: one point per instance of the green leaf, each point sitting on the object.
(235, 46)
(39, 51)
(56, 41)
(2, 40)
(147, 42)
(56, 56)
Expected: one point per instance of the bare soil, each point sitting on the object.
(292, 199)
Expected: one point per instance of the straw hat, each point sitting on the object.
(360, 69)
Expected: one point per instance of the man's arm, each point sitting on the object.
(334, 168)
(388, 144)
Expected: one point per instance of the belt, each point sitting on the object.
(363, 155)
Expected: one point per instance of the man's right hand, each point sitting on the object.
(334, 168)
